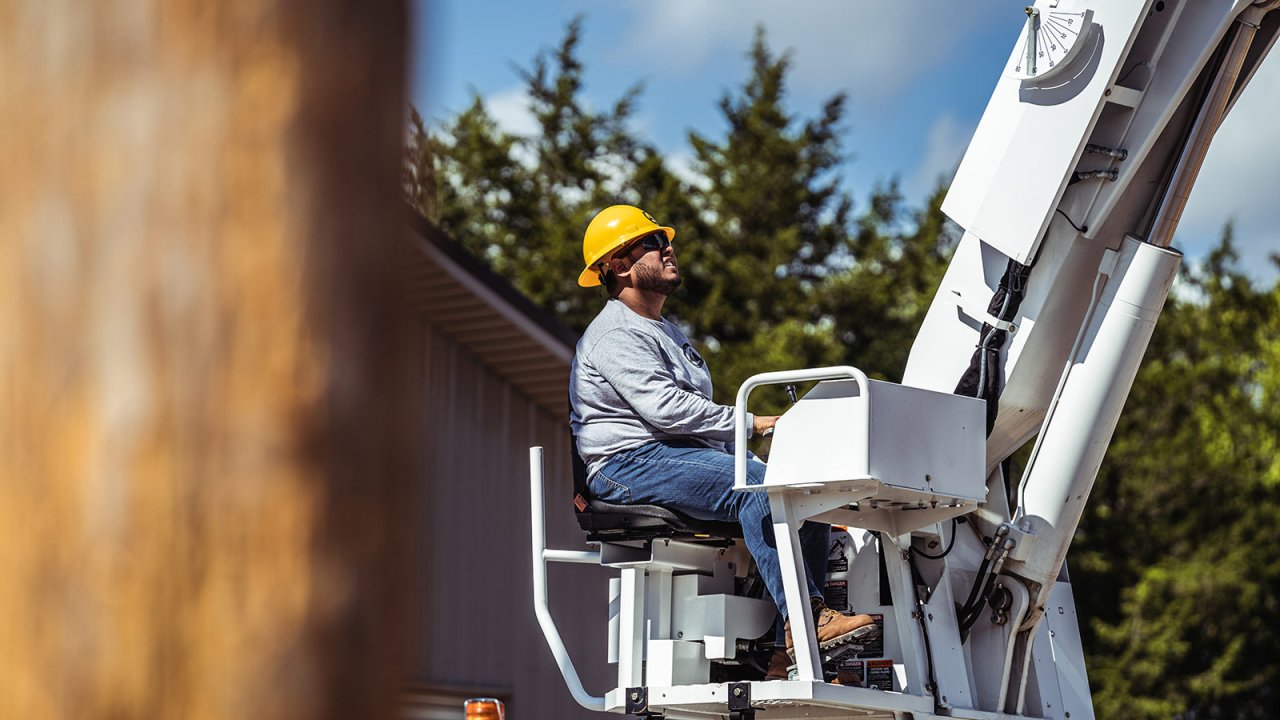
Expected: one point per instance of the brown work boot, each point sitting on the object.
(835, 628)
(779, 666)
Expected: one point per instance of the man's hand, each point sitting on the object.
(763, 424)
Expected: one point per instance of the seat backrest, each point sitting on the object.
(581, 492)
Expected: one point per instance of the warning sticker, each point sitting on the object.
(852, 672)
(838, 554)
(875, 648)
(836, 593)
(880, 674)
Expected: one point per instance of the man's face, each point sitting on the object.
(654, 268)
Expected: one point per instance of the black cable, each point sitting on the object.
(950, 545)
(916, 583)
(1079, 228)
(982, 378)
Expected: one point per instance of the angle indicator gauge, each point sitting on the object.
(1051, 38)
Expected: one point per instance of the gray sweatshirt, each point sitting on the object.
(636, 380)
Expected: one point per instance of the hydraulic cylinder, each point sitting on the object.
(1086, 407)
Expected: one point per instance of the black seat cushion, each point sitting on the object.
(606, 521)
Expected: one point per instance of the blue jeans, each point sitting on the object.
(698, 481)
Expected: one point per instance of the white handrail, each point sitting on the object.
(834, 372)
(540, 606)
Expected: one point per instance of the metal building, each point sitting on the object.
(493, 381)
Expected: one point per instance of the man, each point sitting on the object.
(646, 426)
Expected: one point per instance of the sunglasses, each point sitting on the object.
(652, 241)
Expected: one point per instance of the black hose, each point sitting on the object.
(967, 621)
(950, 545)
(917, 581)
(977, 585)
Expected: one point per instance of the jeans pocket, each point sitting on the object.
(610, 490)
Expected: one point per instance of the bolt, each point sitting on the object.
(635, 696)
(731, 567)
(1107, 92)
(679, 634)
(737, 692)
(930, 616)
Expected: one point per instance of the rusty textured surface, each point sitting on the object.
(205, 442)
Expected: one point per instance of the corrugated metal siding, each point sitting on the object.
(479, 319)
(472, 575)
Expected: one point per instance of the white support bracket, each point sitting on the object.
(979, 313)
(791, 560)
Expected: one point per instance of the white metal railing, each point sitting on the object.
(835, 372)
(541, 556)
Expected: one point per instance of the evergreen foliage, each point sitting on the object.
(1176, 566)
(522, 202)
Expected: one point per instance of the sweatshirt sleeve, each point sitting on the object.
(636, 369)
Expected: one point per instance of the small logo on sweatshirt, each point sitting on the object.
(692, 355)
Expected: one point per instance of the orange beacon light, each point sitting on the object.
(484, 709)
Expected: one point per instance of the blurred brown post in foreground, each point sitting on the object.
(204, 433)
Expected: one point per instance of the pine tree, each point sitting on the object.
(776, 220)
(523, 203)
(877, 307)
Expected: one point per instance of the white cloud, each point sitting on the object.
(872, 49)
(944, 146)
(510, 109)
(681, 164)
(1240, 178)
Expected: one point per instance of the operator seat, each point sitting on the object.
(605, 521)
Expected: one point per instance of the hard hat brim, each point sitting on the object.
(590, 278)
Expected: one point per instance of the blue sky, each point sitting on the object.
(918, 76)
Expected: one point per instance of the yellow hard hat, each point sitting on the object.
(609, 230)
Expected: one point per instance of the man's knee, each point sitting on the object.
(754, 505)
